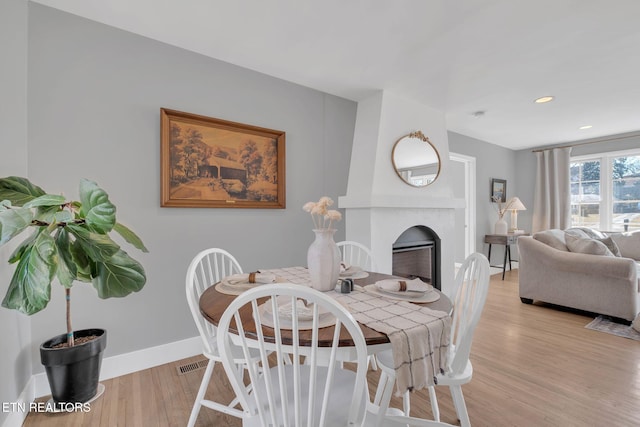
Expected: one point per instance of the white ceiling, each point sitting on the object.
(458, 56)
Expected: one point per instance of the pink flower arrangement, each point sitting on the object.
(322, 217)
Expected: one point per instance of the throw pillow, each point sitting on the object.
(611, 245)
(586, 232)
(628, 243)
(589, 233)
(553, 238)
(586, 246)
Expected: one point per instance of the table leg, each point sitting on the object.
(509, 249)
(489, 255)
(504, 264)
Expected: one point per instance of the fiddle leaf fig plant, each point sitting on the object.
(68, 241)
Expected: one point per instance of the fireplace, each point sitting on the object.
(380, 207)
(416, 254)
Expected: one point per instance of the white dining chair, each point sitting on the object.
(471, 288)
(207, 268)
(354, 253)
(300, 393)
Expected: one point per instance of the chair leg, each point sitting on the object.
(461, 407)
(240, 368)
(216, 406)
(372, 362)
(434, 404)
(406, 403)
(383, 396)
(201, 392)
(382, 384)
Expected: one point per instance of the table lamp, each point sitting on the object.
(515, 205)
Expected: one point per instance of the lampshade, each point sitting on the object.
(516, 205)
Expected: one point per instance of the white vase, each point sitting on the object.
(501, 226)
(323, 261)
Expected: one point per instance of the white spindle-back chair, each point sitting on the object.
(207, 268)
(471, 288)
(354, 253)
(300, 393)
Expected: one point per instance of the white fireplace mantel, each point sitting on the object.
(392, 201)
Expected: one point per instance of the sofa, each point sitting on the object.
(582, 269)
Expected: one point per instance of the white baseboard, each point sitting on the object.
(16, 417)
(123, 364)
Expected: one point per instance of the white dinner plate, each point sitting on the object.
(325, 318)
(404, 294)
(407, 294)
(429, 296)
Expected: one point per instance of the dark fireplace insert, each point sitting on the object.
(416, 254)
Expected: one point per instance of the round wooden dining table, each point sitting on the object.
(213, 304)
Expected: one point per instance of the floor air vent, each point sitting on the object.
(193, 366)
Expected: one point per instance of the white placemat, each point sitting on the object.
(236, 288)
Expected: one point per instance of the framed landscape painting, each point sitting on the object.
(212, 163)
(498, 190)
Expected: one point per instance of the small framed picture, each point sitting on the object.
(498, 190)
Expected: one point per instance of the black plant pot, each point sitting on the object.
(74, 372)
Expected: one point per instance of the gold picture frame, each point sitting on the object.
(212, 163)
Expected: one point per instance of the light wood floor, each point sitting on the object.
(533, 366)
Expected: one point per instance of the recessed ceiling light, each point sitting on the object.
(585, 127)
(543, 99)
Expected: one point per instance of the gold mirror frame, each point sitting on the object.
(406, 147)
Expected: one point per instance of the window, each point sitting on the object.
(605, 191)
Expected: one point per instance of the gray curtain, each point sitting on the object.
(552, 198)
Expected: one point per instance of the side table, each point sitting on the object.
(503, 239)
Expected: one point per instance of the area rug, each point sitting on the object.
(604, 324)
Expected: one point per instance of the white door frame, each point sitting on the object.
(470, 200)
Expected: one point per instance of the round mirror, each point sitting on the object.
(416, 160)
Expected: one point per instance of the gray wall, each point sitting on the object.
(492, 161)
(525, 161)
(15, 362)
(94, 98)
(526, 165)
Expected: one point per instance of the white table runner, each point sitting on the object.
(298, 275)
(420, 337)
